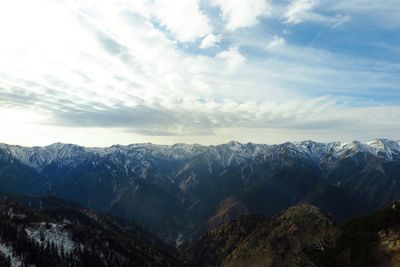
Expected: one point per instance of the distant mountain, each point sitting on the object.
(301, 236)
(75, 237)
(181, 190)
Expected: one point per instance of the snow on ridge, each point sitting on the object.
(38, 157)
(383, 148)
(230, 153)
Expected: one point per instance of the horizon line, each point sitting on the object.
(203, 145)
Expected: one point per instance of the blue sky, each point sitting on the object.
(198, 71)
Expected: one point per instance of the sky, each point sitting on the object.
(102, 72)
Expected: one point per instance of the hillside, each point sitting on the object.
(301, 236)
(75, 237)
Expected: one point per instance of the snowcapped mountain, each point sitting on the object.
(175, 189)
(39, 157)
(232, 153)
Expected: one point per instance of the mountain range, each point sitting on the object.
(180, 191)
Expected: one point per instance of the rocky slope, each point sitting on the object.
(284, 240)
(301, 236)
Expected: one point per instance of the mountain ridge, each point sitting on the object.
(174, 190)
(47, 154)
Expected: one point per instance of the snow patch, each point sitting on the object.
(8, 252)
(57, 234)
(179, 241)
(12, 214)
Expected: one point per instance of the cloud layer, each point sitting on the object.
(198, 71)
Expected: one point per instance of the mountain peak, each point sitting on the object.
(234, 143)
(304, 215)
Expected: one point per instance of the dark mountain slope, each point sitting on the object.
(154, 207)
(274, 189)
(284, 240)
(371, 240)
(20, 179)
(40, 202)
(75, 237)
(212, 248)
(302, 236)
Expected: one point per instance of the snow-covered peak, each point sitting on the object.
(147, 154)
(383, 148)
(145, 150)
(314, 149)
(235, 145)
(384, 145)
(38, 157)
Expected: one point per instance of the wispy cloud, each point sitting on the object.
(195, 71)
(298, 10)
(241, 14)
(385, 13)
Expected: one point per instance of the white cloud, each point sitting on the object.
(240, 13)
(298, 10)
(104, 66)
(210, 41)
(276, 41)
(232, 57)
(183, 18)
